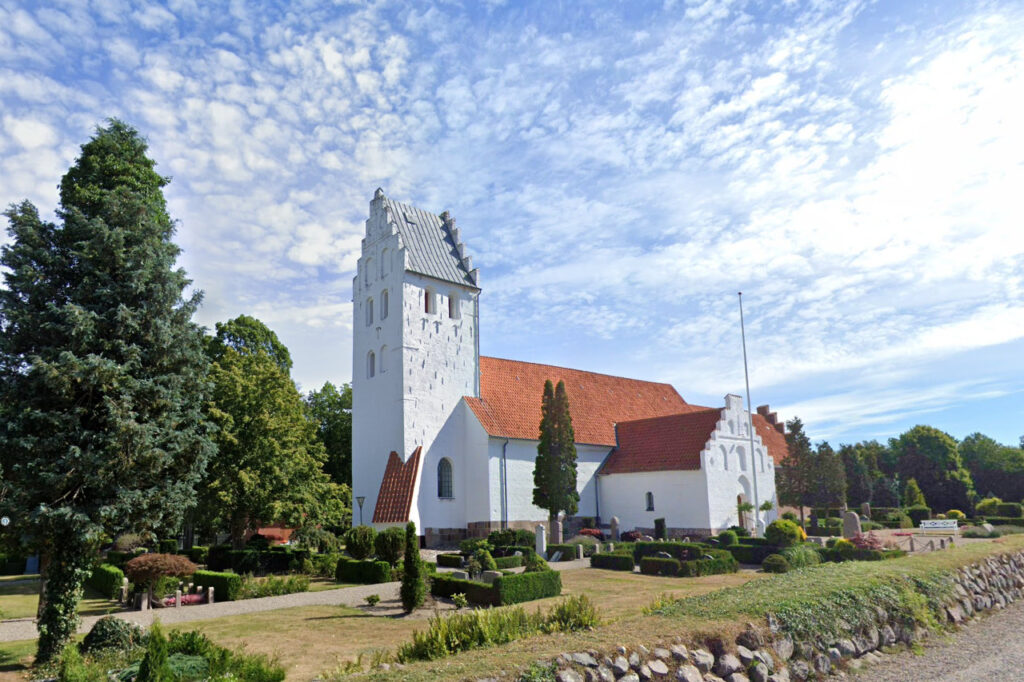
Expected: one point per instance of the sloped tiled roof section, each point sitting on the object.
(772, 434)
(511, 392)
(670, 443)
(396, 488)
(433, 244)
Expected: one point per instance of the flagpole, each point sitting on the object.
(750, 424)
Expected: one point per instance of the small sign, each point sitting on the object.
(939, 524)
(4, 521)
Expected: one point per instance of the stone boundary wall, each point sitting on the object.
(766, 654)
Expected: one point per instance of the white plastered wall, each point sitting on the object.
(464, 443)
(680, 497)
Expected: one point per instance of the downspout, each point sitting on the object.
(504, 486)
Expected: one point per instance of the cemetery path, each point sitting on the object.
(25, 628)
(991, 648)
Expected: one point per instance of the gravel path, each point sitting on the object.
(991, 648)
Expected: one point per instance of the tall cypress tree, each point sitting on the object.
(102, 371)
(554, 471)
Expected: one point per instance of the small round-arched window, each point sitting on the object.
(444, 478)
(371, 365)
(649, 499)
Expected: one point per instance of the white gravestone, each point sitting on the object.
(541, 546)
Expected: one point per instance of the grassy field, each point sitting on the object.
(20, 599)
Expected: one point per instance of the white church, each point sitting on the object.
(446, 438)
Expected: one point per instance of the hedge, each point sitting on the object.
(837, 555)
(750, 554)
(568, 552)
(225, 585)
(217, 557)
(449, 560)
(508, 561)
(366, 571)
(652, 565)
(756, 542)
(168, 546)
(919, 514)
(680, 550)
(1009, 509)
(119, 559)
(107, 580)
(326, 564)
(1003, 520)
(197, 555)
(613, 562)
(520, 587)
(444, 585)
(510, 550)
(721, 561)
(11, 564)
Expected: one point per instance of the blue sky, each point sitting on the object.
(619, 172)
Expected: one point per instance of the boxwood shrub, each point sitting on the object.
(751, 554)
(918, 514)
(168, 546)
(197, 555)
(366, 572)
(107, 580)
(1009, 509)
(615, 561)
(1003, 520)
(652, 565)
(119, 559)
(568, 552)
(444, 585)
(520, 587)
(683, 551)
(721, 561)
(225, 585)
(775, 563)
(508, 561)
(449, 560)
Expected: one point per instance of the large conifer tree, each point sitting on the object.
(554, 471)
(102, 372)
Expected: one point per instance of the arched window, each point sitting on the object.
(649, 498)
(369, 312)
(444, 478)
(453, 307)
(368, 270)
(429, 305)
(385, 256)
(742, 455)
(371, 365)
(384, 304)
(380, 361)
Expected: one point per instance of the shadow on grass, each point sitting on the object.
(11, 662)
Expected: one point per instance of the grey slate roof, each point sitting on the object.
(433, 245)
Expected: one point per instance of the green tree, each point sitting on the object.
(827, 476)
(931, 457)
(269, 464)
(995, 468)
(246, 334)
(554, 471)
(860, 480)
(331, 411)
(793, 477)
(102, 374)
(412, 590)
(912, 495)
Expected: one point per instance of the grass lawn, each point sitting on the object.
(323, 584)
(19, 600)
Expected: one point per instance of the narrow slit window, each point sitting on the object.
(649, 499)
(371, 365)
(428, 302)
(453, 307)
(369, 312)
(384, 304)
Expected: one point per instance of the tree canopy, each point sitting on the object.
(331, 411)
(102, 374)
(931, 457)
(554, 472)
(248, 336)
(997, 470)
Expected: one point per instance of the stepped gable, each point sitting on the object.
(511, 391)
(396, 488)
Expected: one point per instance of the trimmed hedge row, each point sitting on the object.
(520, 587)
(568, 552)
(838, 555)
(1010, 510)
(366, 572)
(652, 565)
(107, 580)
(443, 585)
(508, 561)
(226, 586)
(721, 561)
(449, 560)
(1004, 520)
(751, 554)
(197, 554)
(613, 562)
(683, 551)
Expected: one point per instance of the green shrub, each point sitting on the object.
(740, 531)
(652, 565)
(443, 585)
(359, 542)
(484, 559)
(412, 589)
(1009, 510)
(366, 572)
(468, 547)
(1002, 520)
(571, 614)
(751, 554)
(534, 563)
(790, 516)
(460, 601)
(799, 556)
(389, 543)
(167, 546)
(112, 633)
(988, 506)
(106, 580)
(918, 514)
(782, 533)
(870, 525)
(118, 559)
(680, 550)
(197, 554)
(273, 586)
(509, 537)
(325, 565)
(153, 667)
(727, 538)
(226, 586)
(218, 558)
(614, 562)
(319, 540)
(507, 562)
(956, 514)
(720, 562)
(520, 587)
(449, 560)
(775, 563)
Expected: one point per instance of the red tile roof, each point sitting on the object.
(773, 438)
(669, 443)
(510, 397)
(395, 497)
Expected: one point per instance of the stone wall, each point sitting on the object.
(765, 654)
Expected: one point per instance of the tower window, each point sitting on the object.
(369, 312)
(453, 307)
(444, 478)
(649, 499)
(385, 256)
(368, 270)
(429, 305)
(381, 360)
(384, 304)
(371, 365)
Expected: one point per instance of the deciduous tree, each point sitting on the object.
(931, 457)
(331, 411)
(996, 469)
(102, 374)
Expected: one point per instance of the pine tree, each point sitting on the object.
(412, 589)
(102, 372)
(554, 471)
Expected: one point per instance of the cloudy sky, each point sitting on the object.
(619, 172)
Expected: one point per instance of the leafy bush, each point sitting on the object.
(218, 558)
(918, 514)
(389, 544)
(870, 525)
(447, 635)
(652, 565)
(257, 542)
(614, 561)
(727, 538)
(112, 633)
(535, 562)
(325, 565)
(484, 559)
(226, 586)
(468, 547)
(272, 586)
(782, 533)
(956, 514)
(740, 531)
(508, 537)
(106, 580)
(197, 555)
(679, 550)
(988, 506)
(372, 599)
(720, 561)
(505, 562)
(790, 516)
(775, 563)
(799, 556)
(365, 572)
(359, 542)
(316, 539)
(571, 614)
(168, 546)
(460, 601)
(449, 560)
(144, 570)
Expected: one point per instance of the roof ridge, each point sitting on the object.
(700, 411)
(573, 369)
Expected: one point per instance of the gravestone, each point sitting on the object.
(865, 510)
(541, 544)
(489, 576)
(579, 552)
(556, 531)
(987, 527)
(460, 575)
(614, 528)
(556, 557)
(851, 524)
(177, 599)
(611, 547)
(209, 595)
